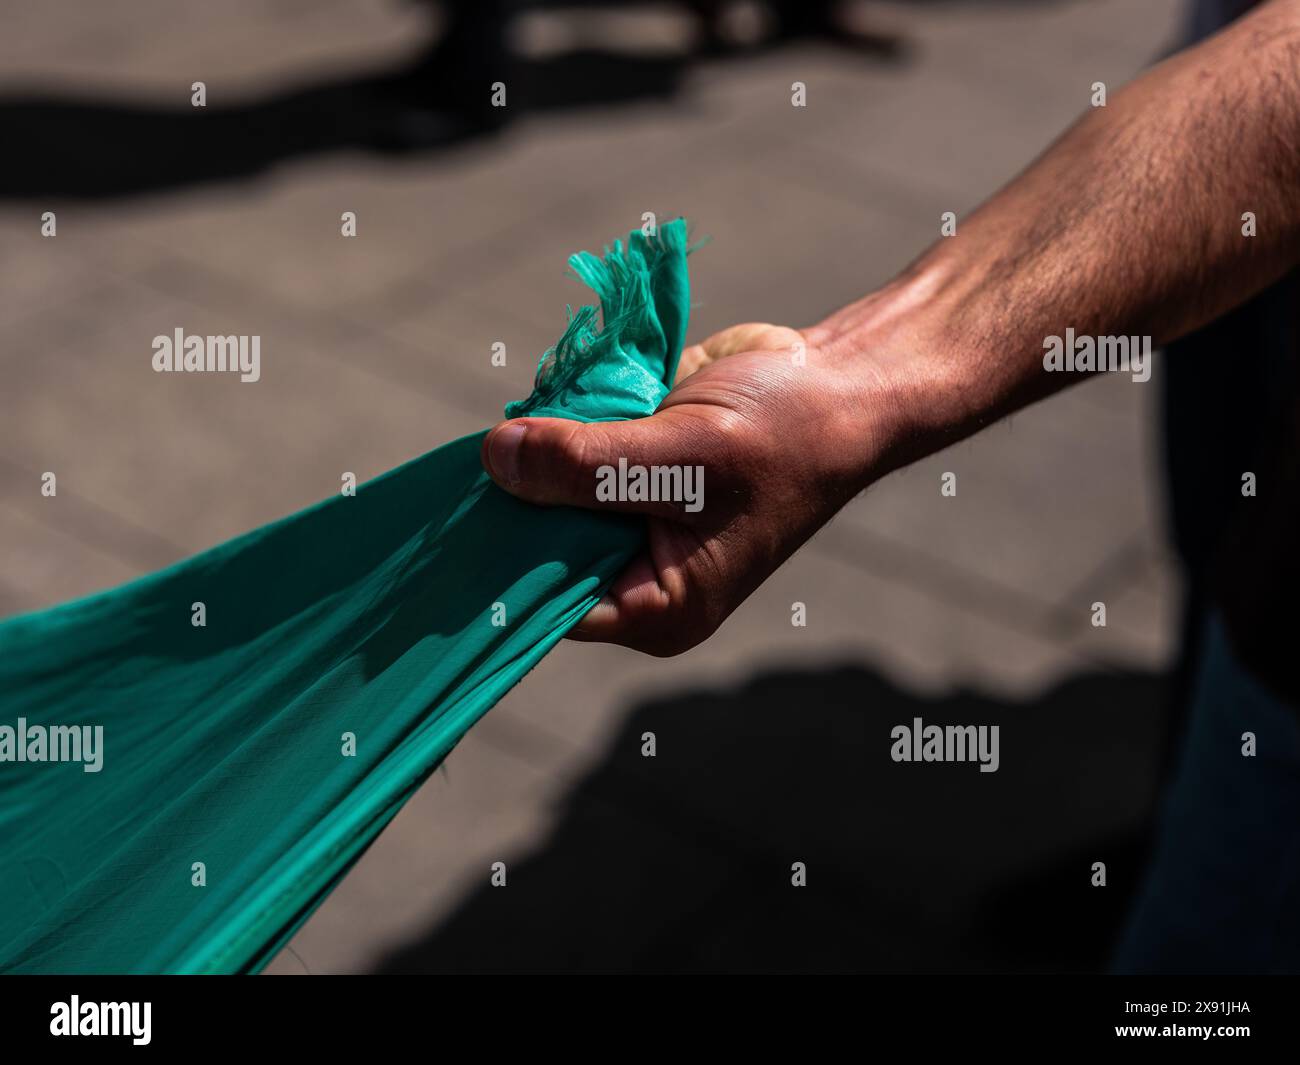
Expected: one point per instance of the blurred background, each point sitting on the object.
(773, 741)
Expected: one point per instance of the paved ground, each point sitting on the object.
(773, 739)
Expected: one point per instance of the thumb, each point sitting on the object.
(651, 465)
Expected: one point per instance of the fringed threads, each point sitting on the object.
(624, 280)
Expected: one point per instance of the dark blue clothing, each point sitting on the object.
(1223, 891)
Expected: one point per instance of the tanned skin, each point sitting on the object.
(1129, 224)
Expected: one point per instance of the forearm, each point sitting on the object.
(1130, 224)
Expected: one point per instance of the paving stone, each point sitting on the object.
(1042, 501)
(44, 564)
(778, 231)
(206, 456)
(158, 46)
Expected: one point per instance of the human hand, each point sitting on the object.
(785, 432)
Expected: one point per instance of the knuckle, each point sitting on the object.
(730, 445)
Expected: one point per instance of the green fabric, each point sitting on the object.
(370, 615)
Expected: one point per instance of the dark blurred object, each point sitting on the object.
(69, 147)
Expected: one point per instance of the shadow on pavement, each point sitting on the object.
(78, 147)
(682, 862)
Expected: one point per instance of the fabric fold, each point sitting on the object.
(247, 762)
